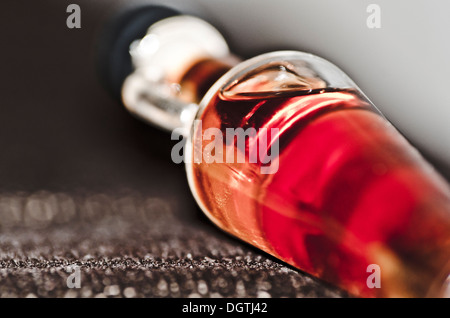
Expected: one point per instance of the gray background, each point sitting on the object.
(403, 67)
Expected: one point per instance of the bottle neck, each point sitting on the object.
(175, 63)
(201, 76)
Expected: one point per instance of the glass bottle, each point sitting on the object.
(284, 152)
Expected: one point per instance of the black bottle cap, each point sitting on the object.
(113, 57)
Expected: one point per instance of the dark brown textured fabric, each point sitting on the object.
(131, 245)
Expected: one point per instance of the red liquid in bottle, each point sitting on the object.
(349, 192)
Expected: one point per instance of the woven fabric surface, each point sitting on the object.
(129, 245)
